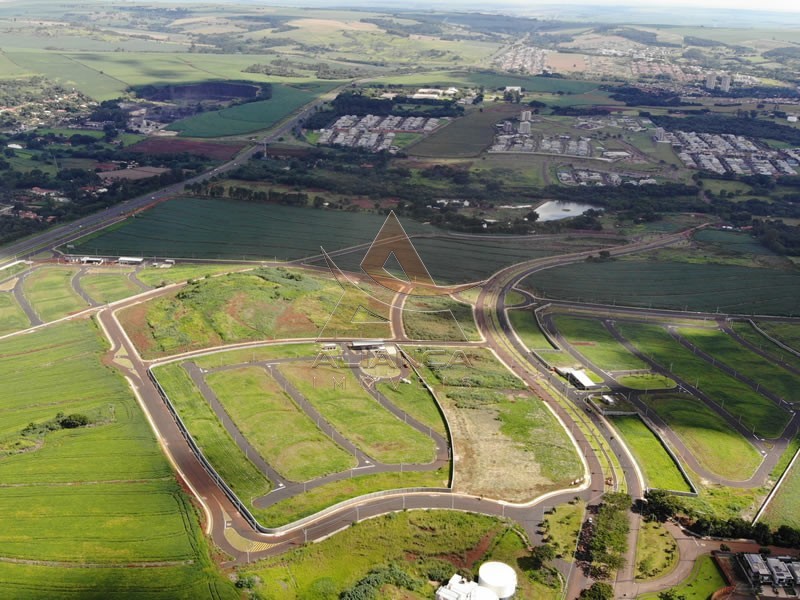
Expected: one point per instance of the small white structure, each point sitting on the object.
(459, 588)
(92, 260)
(499, 578)
(576, 377)
(130, 260)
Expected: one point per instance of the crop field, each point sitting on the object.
(439, 318)
(108, 486)
(594, 341)
(212, 150)
(761, 370)
(528, 330)
(49, 290)
(756, 411)
(108, 287)
(230, 229)
(417, 539)
(507, 443)
(658, 468)
(358, 416)
(285, 437)
(733, 242)
(252, 116)
(703, 287)
(258, 305)
(12, 317)
(217, 446)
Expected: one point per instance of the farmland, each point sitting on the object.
(108, 486)
(357, 416)
(412, 541)
(591, 339)
(658, 467)
(286, 438)
(700, 287)
(253, 116)
(756, 411)
(49, 290)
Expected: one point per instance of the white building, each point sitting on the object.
(711, 81)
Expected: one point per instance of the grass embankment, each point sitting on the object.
(50, 292)
(429, 546)
(596, 343)
(358, 416)
(283, 435)
(705, 579)
(715, 445)
(656, 551)
(102, 493)
(658, 468)
(756, 411)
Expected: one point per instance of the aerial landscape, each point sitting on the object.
(379, 300)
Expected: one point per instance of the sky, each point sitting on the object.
(760, 5)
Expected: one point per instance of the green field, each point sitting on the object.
(658, 467)
(108, 486)
(414, 399)
(252, 116)
(528, 330)
(788, 333)
(108, 288)
(594, 341)
(732, 242)
(179, 273)
(283, 435)
(656, 551)
(703, 287)
(358, 416)
(12, 317)
(743, 360)
(714, 444)
(216, 444)
(747, 331)
(705, 579)
(782, 509)
(756, 411)
(562, 527)
(439, 318)
(259, 353)
(646, 381)
(49, 290)
(427, 545)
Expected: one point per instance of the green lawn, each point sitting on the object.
(728, 351)
(209, 434)
(108, 288)
(705, 579)
(756, 411)
(283, 434)
(708, 437)
(593, 340)
(50, 292)
(528, 330)
(562, 527)
(358, 416)
(657, 466)
(656, 551)
(12, 317)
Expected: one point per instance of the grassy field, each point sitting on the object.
(209, 434)
(49, 290)
(646, 381)
(709, 438)
(594, 341)
(759, 369)
(704, 287)
(528, 330)
(658, 468)
(656, 551)
(788, 333)
(282, 434)
(490, 80)
(427, 545)
(705, 579)
(756, 411)
(358, 416)
(252, 116)
(260, 353)
(782, 509)
(763, 344)
(562, 527)
(179, 273)
(439, 318)
(108, 486)
(414, 399)
(12, 317)
(108, 288)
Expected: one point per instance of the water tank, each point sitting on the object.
(498, 577)
(482, 593)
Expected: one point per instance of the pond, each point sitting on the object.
(555, 210)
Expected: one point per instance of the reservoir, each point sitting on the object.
(555, 210)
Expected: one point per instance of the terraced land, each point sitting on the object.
(284, 436)
(659, 470)
(50, 292)
(756, 411)
(595, 342)
(715, 445)
(107, 486)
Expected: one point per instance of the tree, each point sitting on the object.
(671, 595)
(598, 591)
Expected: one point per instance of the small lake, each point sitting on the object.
(553, 211)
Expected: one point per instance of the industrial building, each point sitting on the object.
(576, 377)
